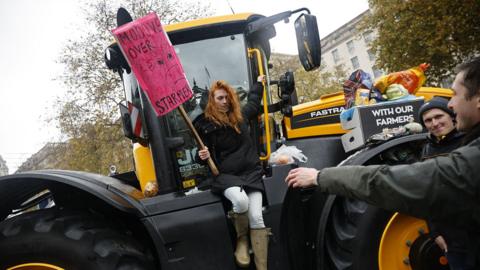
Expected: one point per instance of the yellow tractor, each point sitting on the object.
(107, 222)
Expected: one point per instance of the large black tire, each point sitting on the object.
(353, 235)
(354, 228)
(70, 240)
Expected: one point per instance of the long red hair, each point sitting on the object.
(231, 118)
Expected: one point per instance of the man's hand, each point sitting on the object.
(204, 154)
(441, 243)
(302, 177)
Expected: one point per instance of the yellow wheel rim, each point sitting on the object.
(35, 266)
(397, 238)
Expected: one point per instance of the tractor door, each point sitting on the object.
(204, 61)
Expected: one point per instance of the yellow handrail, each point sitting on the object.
(265, 102)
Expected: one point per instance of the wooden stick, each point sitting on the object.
(210, 162)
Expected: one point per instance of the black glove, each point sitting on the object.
(257, 90)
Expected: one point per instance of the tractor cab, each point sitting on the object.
(234, 48)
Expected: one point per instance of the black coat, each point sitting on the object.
(455, 238)
(233, 153)
(435, 148)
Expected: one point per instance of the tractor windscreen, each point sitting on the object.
(205, 61)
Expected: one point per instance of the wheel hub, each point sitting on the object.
(425, 254)
(405, 245)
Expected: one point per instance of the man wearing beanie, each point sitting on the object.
(439, 120)
(443, 138)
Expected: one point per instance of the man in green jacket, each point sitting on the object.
(450, 186)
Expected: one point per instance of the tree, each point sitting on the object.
(88, 114)
(443, 33)
(309, 85)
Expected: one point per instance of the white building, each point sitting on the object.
(49, 157)
(3, 167)
(348, 46)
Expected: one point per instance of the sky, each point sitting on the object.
(34, 32)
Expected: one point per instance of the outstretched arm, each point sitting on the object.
(442, 188)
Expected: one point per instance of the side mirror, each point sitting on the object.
(287, 84)
(114, 58)
(308, 41)
(288, 95)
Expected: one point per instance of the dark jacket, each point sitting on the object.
(449, 191)
(233, 153)
(435, 147)
(455, 238)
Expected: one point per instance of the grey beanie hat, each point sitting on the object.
(435, 103)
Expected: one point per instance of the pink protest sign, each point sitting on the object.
(154, 62)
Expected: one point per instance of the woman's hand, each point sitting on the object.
(204, 154)
(261, 79)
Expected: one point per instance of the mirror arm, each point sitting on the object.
(263, 22)
(301, 9)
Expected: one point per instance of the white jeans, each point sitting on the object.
(251, 203)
